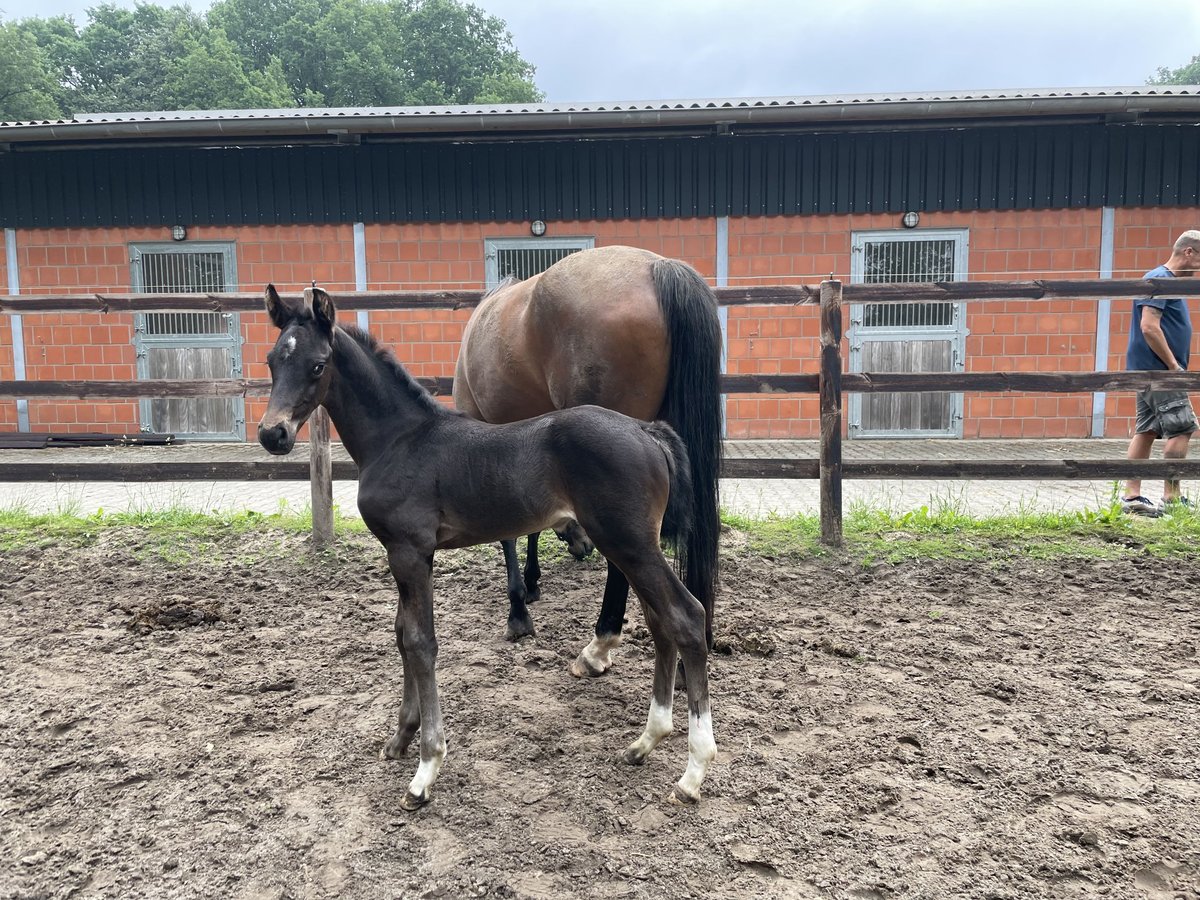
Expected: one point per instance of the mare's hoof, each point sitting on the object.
(586, 668)
(517, 629)
(533, 595)
(678, 798)
(411, 802)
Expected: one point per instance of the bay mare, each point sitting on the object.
(431, 478)
(622, 328)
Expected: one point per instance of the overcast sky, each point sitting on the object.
(594, 50)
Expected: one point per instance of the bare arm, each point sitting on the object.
(1155, 339)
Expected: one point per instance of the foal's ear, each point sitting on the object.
(323, 309)
(275, 308)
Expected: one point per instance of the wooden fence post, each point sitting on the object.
(320, 467)
(831, 413)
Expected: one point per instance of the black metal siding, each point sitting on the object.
(1027, 167)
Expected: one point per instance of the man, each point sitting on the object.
(1160, 337)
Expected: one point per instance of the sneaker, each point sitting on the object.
(1140, 506)
(1179, 504)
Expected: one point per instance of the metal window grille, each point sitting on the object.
(523, 258)
(889, 262)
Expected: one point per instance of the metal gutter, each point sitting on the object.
(227, 125)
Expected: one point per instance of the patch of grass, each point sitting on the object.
(945, 531)
(872, 535)
(172, 534)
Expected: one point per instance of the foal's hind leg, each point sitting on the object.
(676, 620)
(519, 623)
(595, 659)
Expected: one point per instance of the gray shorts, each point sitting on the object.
(1166, 413)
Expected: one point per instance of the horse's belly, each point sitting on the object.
(453, 534)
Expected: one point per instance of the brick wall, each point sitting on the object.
(1011, 336)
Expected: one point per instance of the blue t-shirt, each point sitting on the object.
(1176, 326)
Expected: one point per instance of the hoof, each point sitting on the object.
(678, 798)
(533, 595)
(633, 756)
(517, 629)
(411, 802)
(393, 749)
(585, 668)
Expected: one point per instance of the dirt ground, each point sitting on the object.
(207, 725)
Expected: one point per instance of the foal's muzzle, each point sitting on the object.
(277, 438)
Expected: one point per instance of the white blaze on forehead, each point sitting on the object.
(289, 347)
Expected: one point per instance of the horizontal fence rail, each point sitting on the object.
(830, 383)
(860, 383)
(792, 295)
(344, 470)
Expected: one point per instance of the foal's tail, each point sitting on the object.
(692, 406)
(679, 520)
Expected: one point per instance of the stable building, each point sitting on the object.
(997, 186)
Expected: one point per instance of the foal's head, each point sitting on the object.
(300, 364)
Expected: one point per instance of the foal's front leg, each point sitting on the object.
(418, 649)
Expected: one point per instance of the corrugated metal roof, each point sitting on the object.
(623, 115)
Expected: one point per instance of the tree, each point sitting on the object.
(211, 76)
(381, 52)
(1189, 74)
(28, 89)
(126, 57)
(262, 53)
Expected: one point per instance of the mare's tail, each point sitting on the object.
(692, 406)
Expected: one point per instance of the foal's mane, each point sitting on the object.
(388, 365)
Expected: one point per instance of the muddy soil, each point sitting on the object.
(206, 722)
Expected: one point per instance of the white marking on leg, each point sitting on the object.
(701, 751)
(658, 726)
(427, 772)
(594, 659)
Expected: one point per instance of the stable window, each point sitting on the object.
(525, 257)
(200, 346)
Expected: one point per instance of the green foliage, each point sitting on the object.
(28, 88)
(253, 54)
(1189, 74)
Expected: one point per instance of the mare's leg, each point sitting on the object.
(418, 649)
(595, 659)
(676, 619)
(519, 623)
(533, 572)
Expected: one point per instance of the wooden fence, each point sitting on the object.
(831, 383)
